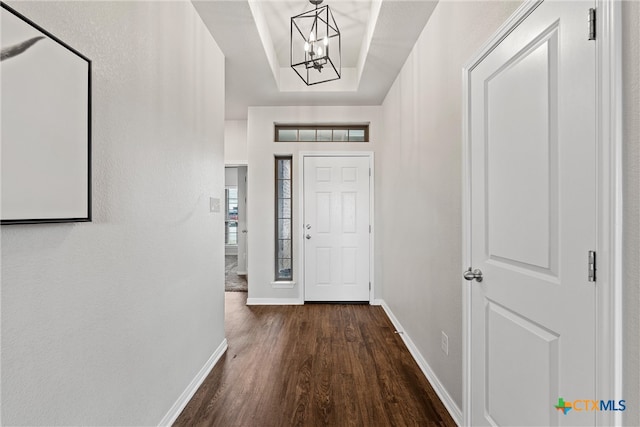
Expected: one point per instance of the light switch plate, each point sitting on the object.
(214, 204)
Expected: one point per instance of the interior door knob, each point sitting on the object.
(473, 275)
(308, 236)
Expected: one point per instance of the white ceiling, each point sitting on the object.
(350, 15)
(377, 36)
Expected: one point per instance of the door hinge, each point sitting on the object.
(592, 266)
(369, 285)
(369, 171)
(592, 24)
(369, 229)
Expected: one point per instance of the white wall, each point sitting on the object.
(230, 177)
(631, 210)
(235, 142)
(421, 183)
(261, 186)
(106, 323)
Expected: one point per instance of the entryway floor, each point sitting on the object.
(313, 365)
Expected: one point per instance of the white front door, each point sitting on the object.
(336, 228)
(533, 222)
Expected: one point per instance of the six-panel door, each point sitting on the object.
(336, 228)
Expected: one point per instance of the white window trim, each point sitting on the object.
(281, 284)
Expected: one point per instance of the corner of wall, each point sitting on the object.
(428, 372)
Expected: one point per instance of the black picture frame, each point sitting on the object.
(46, 126)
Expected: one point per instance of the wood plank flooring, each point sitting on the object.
(313, 365)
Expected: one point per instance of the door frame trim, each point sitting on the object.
(300, 239)
(608, 369)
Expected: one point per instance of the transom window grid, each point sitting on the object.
(321, 133)
(283, 226)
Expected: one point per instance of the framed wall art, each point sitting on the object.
(45, 125)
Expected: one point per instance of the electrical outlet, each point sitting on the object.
(444, 344)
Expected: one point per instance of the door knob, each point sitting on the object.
(473, 275)
(308, 236)
(244, 231)
(308, 226)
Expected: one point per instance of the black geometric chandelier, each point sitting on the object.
(315, 45)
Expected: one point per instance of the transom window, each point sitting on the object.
(322, 133)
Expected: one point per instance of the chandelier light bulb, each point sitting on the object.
(326, 41)
(306, 46)
(319, 51)
(312, 37)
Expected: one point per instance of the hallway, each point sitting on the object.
(313, 365)
(118, 316)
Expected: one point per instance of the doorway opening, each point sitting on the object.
(235, 229)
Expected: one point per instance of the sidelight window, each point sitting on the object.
(283, 238)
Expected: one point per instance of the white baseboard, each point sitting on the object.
(241, 273)
(191, 389)
(440, 390)
(376, 301)
(274, 301)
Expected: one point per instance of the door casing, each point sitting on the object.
(242, 221)
(609, 203)
(300, 234)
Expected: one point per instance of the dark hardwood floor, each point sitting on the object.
(313, 365)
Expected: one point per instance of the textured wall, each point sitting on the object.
(421, 178)
(631, 211)
(106, 323)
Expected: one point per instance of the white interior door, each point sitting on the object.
(336, 228)
(533, 221)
